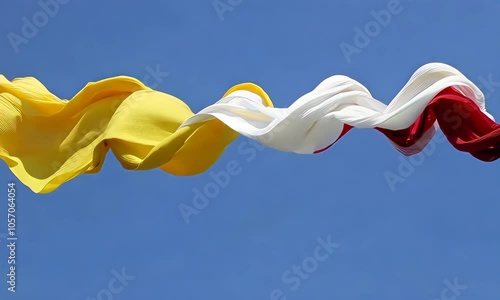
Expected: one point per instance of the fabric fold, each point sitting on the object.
(47, 141)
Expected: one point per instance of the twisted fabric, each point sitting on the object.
(46, 141)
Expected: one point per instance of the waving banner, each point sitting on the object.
(47, 141)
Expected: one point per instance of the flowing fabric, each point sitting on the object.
(46, 141)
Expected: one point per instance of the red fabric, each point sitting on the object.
(462, 122)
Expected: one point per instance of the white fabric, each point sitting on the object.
(316, 119)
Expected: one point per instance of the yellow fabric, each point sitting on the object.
(47, 141)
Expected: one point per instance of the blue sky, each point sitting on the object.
(411, 241)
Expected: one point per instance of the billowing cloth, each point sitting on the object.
(47, 141)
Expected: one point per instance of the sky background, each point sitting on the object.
(439, 225)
